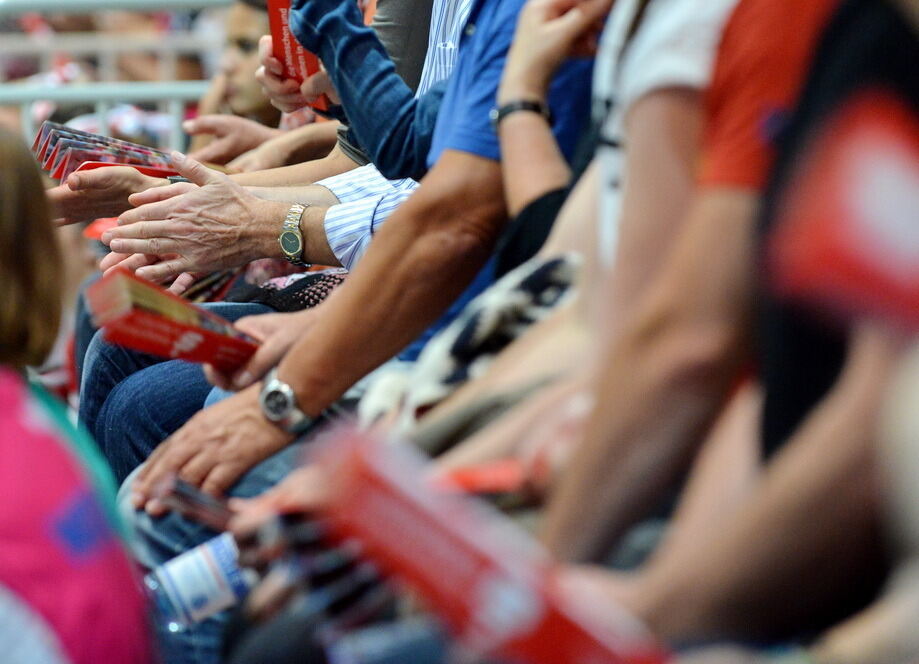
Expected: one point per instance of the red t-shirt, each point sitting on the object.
(762, 62)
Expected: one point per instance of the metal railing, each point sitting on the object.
(19, 7)
(166, 47)
(102, 96)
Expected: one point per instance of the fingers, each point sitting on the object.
(164, 270)
(194, 170)
(100, 178)
(166, 459)
(218, 151)
(217, 378)
(207, 124)
(182, 283)
(158, 228)
(222, 477)
(157, 194)
(266, 57)
(125, 261)
(154, 211)
(315, 86)
(261, 326)
(261, 362)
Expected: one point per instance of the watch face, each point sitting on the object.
(291, 243)
(276, 404)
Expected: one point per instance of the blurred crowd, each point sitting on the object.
(640, 276)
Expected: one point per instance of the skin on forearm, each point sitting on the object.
(307, 143)
(662, 132)
(419, 262)
(819, 508)
(335, 163)
(312, 194)
(662, 380)
(531, 163)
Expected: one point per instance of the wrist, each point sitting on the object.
(270, 219)
(518, 88)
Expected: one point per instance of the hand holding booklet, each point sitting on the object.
(137, 314)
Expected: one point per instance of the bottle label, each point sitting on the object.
(205, 580)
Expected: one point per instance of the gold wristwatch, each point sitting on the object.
(291, 239)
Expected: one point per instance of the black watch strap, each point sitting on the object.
(501, 112)
(176, 178)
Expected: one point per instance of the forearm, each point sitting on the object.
(662, 377)
(819, 504)
(531, 163)
(335, 163)
(654, 400)
(419, 262)
(311, 194)
(307, 143)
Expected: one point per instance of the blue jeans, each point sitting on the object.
(155, 541)
(132, 401)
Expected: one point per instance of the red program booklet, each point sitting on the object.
(144, 317)
(495, 588)
(298, 62)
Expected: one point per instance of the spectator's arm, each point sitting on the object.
(418, 263)
(303, 144)
(395, 129)
(820, 505)
(662, 379)
(335, 163)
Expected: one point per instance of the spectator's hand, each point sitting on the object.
(214, 448)
(547, 447)
(277, 334)
(214, 226)
(232, 134)
(548, 32)
(317, 85)
(303, 491)
(284, 93)
(273, 153)
(103, 192)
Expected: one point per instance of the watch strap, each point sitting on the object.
(498, 114)
(291, 223)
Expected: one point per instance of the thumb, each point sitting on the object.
(194, 170)
(99, 178)
(206, 124)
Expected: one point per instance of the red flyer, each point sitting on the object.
(140, 315)
(490, 582)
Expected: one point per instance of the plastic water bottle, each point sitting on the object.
(200, 583)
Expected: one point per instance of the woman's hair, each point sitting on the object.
(30, 260)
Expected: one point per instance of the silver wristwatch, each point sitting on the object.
(279, 405)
